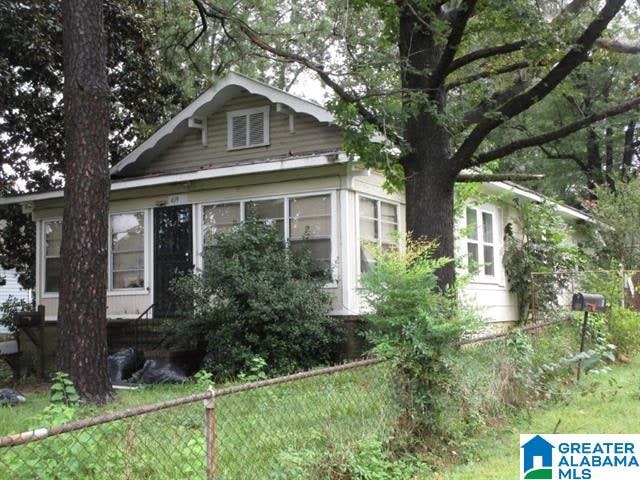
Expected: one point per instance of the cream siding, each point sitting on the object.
(188, 154)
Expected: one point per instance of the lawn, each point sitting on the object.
(257, 431)
(608, 403)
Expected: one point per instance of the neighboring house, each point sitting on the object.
(12, 288)
(243, 142)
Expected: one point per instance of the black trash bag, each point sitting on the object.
(160, 371)
(11, 397)
(123, 364)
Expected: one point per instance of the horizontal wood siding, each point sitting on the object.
(118, 306)
(189, 154)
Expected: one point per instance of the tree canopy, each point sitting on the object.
(448, 85)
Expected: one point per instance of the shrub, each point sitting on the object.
(539, 246)
(624, 330)
(256, 298)
(418, 329)
(9, 308)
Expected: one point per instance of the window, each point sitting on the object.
(248, 128)
(481, 246)
(310, 225)
(302, 221)
(127, 250)
(53, 238)
(378, 223)
(271, 211)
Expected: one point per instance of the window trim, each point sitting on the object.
(43, 257)
(286, 197)
(379, 222)
(481, 276)
(146, 286)
(247, 112)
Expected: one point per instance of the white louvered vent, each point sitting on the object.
(248, 128)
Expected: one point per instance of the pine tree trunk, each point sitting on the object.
(82, 312)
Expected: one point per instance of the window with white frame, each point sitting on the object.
(52, 240)
(308, 221)
(378, 222)
(481, 242)
(248, 128)
(127, 250)
(310, 225)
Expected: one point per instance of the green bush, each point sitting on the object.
(418, 329)
(256, 298)
(9, 308)
(624, 330)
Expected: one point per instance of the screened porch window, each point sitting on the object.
(217, 219)
(378, 224)
(127, 250)
(53, 239)
(481, 245)
(271, 211)
(310, 225)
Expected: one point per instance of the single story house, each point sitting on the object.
(244, 143)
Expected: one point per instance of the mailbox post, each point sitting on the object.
(587, 302)
(26, 321)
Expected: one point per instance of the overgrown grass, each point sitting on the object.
(608, 403)
(256, 431)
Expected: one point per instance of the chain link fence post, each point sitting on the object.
(210, 433)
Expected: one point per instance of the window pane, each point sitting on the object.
(127, 250)
(132, 279)
(367, 261)
(388, 212)
(488, 261)
(472, 224)
(389, 232)
(310, 216)
(472, 257)
(52, 274)
(319, 249)
(487, 227)
(271, 211)
(368, 208)
(53, 237)
(219, 218)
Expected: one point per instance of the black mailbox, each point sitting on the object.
(588, 302)
(28, 319)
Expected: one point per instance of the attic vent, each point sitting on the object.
(248, 128)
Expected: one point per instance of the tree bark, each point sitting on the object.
(82, 312)
(429, 176)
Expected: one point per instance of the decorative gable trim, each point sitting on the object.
(210, 101)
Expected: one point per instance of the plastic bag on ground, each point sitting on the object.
(160, 371)
(122, 365)
(11, 397)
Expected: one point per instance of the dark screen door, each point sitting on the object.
(173, 254)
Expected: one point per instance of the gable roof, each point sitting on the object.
(207, 103)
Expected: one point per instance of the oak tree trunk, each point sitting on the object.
(82, 312)
(429, 175)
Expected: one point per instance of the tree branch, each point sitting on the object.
(497, 177)
(487, 73)
(221, 15)
(556, 134)
(485, 53)
(458, 26)
(476, 114)
(618, 46)
(518, 104)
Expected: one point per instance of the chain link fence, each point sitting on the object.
(257, 430)
(551, 293)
